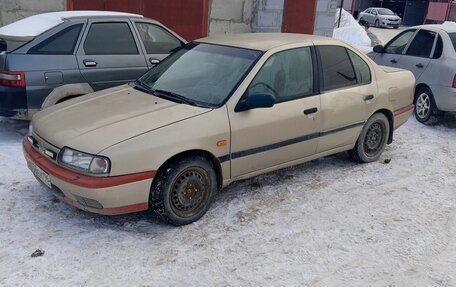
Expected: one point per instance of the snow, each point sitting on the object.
(329, 222)
(351, 32)
(34, 25)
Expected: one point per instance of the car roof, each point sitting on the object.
(449, 27)
(264, 41)
(35, 25)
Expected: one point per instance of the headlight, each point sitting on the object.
(30, 131)
(83, 161)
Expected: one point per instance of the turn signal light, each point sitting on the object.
(12, 79)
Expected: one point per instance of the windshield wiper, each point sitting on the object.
(143, 87)
(175, 96)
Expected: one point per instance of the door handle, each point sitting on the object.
(368, 98)
(89, 63)
(419, 65)
(394, 61)
(310, 111)
(154, 61)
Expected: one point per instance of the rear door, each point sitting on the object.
(347, 98)
(157, 42)
(418, 54)
(109, 54)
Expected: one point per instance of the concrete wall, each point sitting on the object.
(268, 16)
(13, 10)
(325, 18)
(242, 16)
(233, 16)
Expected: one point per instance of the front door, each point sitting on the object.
(267, 137)
(394, 49)
(109, 54)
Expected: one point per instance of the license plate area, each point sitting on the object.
(39, 173)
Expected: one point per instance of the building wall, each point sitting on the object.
(13, 10)
(238, 16)
(325, 18)
(234, 16)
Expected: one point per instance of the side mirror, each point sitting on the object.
(255, 101)
(379, 49)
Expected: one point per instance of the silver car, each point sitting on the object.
(380, 17)
(429, 51)
(48, 58)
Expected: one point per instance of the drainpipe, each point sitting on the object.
(340, 12)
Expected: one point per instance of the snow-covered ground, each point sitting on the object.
(329, 222)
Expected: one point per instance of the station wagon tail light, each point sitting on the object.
(454, 82)
(83, 161)
(12, 79)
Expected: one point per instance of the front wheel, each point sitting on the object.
(372, 140)
(425, 110)
(183, 191)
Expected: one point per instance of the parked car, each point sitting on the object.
(429, 51)
(49, 58)
(220, 109)
(380, 17)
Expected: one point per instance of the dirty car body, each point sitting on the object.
(221, 109)
(51, 57)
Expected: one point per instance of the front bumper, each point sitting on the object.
(389, 23)
(103, 195)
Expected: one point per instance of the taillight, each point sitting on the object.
(12, 79)
(454, 82)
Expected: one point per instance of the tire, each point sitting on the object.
(425, 109)
(396, 27)
(377, 24)
(372, 140)
(184, 190)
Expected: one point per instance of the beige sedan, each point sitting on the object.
(218, 110)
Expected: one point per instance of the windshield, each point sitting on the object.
(202, 74)
(453, 39)
(384, 11)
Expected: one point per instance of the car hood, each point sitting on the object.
(96, 121)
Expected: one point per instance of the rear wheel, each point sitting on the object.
(425, 110)
(184, 190)
(372, 140)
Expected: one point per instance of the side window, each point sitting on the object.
(156, 39)
(113, 38)
(438, 48)
(421, 45)
(398, 44)
(362, 70)
(336, 67)
(368, 11)
(62, 43)
(287, 75)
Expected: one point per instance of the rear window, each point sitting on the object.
(453, 39)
